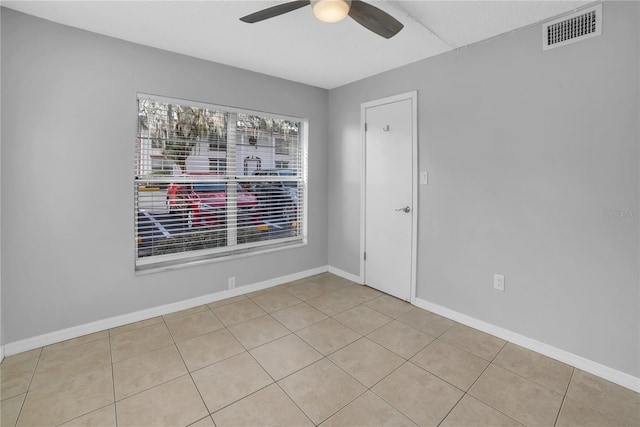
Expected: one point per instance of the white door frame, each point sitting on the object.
(413, 96)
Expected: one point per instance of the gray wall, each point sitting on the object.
(68, 134)
(526, 152)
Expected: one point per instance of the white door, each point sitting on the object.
(390, 196)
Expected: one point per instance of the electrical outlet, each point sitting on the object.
(231, 282)
(498, 282)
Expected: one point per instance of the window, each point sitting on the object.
(218, 165)
(218, 139)
(282, 146)
(208, 184)
(160, 166)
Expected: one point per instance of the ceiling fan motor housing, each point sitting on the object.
(331, 10)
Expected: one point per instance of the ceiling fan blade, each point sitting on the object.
(273, 11)
(374, 19)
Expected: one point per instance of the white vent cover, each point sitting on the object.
(569, 29)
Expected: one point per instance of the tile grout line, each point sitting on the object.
(389, 403)
(200, 368)
(113, 379)
(294, 402)
(379, 381)
(573, 371)
(464, 393)
(113, 387)
(514, 373)
(175, 344)
(465, 350)
(564, 397)
(112, 361)
(327, 356)
(421, 348)
(147, 352)
(478, 379)
(26, 393)
(332, 362)
(140, 329)
(224, 327)
(248, 351)
(324, 357)
(276, 382)
(533, 381)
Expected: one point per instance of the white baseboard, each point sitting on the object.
(579, 362)
(345, 275)
(113, 322)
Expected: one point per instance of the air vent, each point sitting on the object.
(569, 29)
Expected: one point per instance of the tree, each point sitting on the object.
(184, 128)
(176, 128)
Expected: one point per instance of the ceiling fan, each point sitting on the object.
(368, 16)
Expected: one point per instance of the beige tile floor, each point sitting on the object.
(319, 351)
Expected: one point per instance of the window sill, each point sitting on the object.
(162, 266)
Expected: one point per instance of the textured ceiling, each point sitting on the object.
(296, 46)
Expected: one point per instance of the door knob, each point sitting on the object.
(406, 209)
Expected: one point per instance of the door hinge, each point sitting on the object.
(365, 127)
(365, 256)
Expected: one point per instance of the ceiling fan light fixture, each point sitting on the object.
(331, 10)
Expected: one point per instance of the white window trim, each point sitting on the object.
(158, 263)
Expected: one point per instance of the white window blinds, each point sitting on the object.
(214, 181)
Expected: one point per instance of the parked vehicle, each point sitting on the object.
(274, 203)
(268, 211)
(289, 188)
(204, 204)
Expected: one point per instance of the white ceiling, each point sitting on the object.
(296, 46)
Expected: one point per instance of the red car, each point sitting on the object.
(203, 204)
